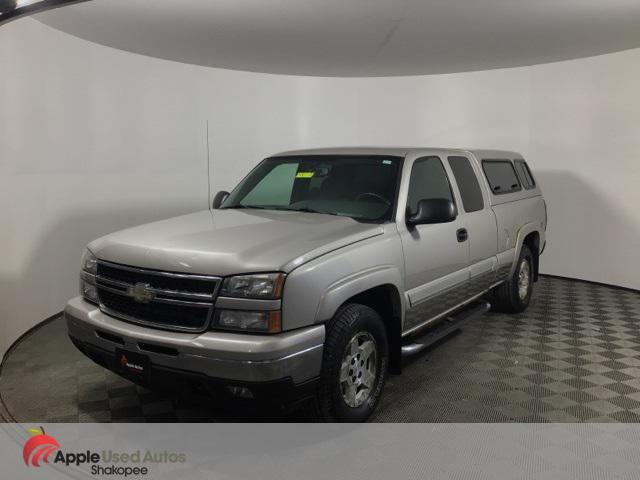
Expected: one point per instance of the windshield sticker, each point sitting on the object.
(304, 175)
(386, 162)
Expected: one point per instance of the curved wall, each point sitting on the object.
(94, 139)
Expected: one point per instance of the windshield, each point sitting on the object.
(360, 187)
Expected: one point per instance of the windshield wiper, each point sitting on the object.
(306, 210)
(311, 210)
(239, 205)
(284, 209)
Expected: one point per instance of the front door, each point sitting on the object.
(436, 255)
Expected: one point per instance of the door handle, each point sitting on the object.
(462, 234)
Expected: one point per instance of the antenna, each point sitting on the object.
(208, 170)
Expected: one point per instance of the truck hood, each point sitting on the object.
(227, 242)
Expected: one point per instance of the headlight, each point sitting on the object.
(264, 322)
(89, 268)
(261, 285)
(89, 263)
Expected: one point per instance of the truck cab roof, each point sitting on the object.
(399, 151)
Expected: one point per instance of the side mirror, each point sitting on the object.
(219, 199)
(432, 210)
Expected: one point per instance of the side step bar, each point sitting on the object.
(445, 327)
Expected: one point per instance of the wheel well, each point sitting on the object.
(532, 241)
(385, 300)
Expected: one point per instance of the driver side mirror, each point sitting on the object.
(432, 210)
(219, 199)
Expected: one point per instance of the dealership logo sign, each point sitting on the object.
(38, 447)
(124, 362)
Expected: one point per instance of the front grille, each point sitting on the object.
(165, 300)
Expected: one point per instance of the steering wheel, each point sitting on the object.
(374, 195)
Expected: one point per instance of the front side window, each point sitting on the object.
(428, 180)
(360, 187)
(501, 176)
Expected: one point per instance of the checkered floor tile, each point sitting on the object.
(573, 356)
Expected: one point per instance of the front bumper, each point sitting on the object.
(233, 358)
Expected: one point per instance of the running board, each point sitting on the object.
(445, 327)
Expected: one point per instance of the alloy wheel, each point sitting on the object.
(359, 369)
(524, 279)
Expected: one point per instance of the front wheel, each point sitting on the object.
(514, 295)
(354, 368)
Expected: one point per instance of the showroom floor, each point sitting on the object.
(574, 356)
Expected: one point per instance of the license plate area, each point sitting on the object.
(133, 365)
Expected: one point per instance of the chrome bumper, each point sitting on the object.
(233, 356)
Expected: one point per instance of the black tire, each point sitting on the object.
(506, 297)
(353, 321)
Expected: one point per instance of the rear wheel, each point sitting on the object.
(354, 367)
(514, 295)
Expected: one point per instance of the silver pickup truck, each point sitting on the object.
(315, 276)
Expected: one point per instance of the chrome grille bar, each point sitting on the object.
(172, 301)
(105, 282)
(146, 271)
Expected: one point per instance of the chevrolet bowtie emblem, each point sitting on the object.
(141, 292)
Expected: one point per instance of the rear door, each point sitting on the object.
(436, 257)
(479, 221)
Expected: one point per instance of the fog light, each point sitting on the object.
(88, 291)
(243, 392)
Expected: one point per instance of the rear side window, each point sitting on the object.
(501, 176)
(467, 183)
(524, 174)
